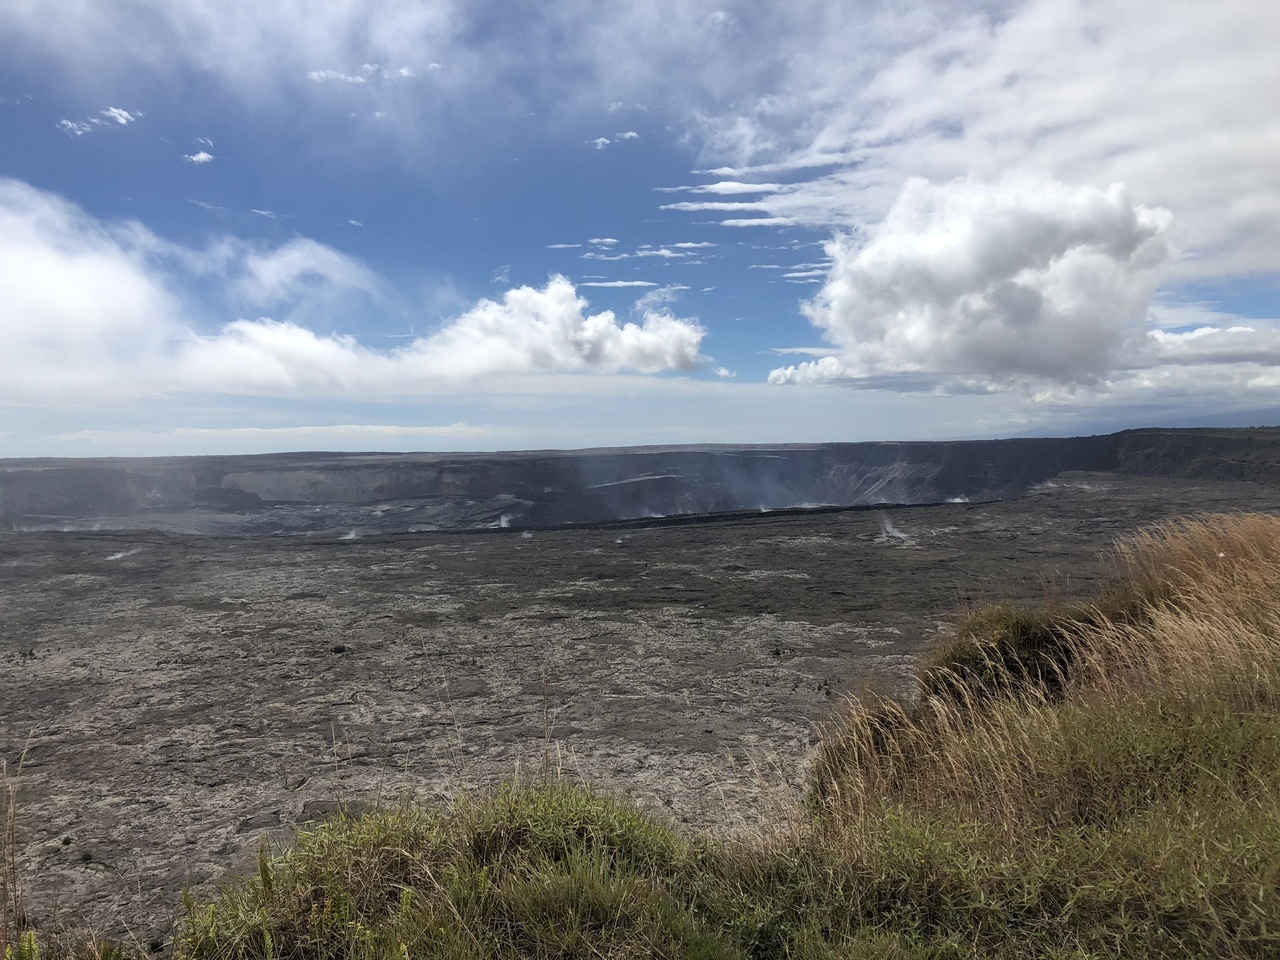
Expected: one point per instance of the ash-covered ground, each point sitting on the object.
(180, 697)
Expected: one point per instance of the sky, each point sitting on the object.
(229, 226)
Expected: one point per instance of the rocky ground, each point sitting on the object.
(179, 698)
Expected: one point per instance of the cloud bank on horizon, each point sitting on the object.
(964, 219)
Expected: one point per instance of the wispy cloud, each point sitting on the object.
(367, 74)
(759, 222)
(700, 205)
(958, 92)
(726, 188)
(618, 283)
(601, 142)
(111, 116)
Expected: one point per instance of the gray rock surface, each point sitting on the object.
(182, 697)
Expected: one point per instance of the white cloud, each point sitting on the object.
(320, 76)
(1175, 100)
(726, 188)
(689, 245)
(270, 277)
(1020, 280)
(661, 252)
(1256, 343)
(600, 142)
(122, 117)
(759, 222)
(81, 301)
(104, 119)
(618, 283)
(628, 135)
(369, 73)
(199, 157)
(700, 205)
(603, 241)
(725, 373)
(548, 330)
(811, 371)
(100, 309)
(659, 299)
(563, 246)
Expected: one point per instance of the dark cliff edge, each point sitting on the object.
(384, 493)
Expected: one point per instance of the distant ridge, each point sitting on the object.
(357, 493)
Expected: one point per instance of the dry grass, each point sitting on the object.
(1125, 756)
(12, 914)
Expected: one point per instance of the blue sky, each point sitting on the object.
(240, 227)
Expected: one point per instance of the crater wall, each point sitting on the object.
(367, 493)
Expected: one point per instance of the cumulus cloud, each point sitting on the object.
(95, 307)
(1024, 279)
(199, 158)
(550, 330)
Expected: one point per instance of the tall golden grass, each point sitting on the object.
(1191, 621)
(12, 915)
